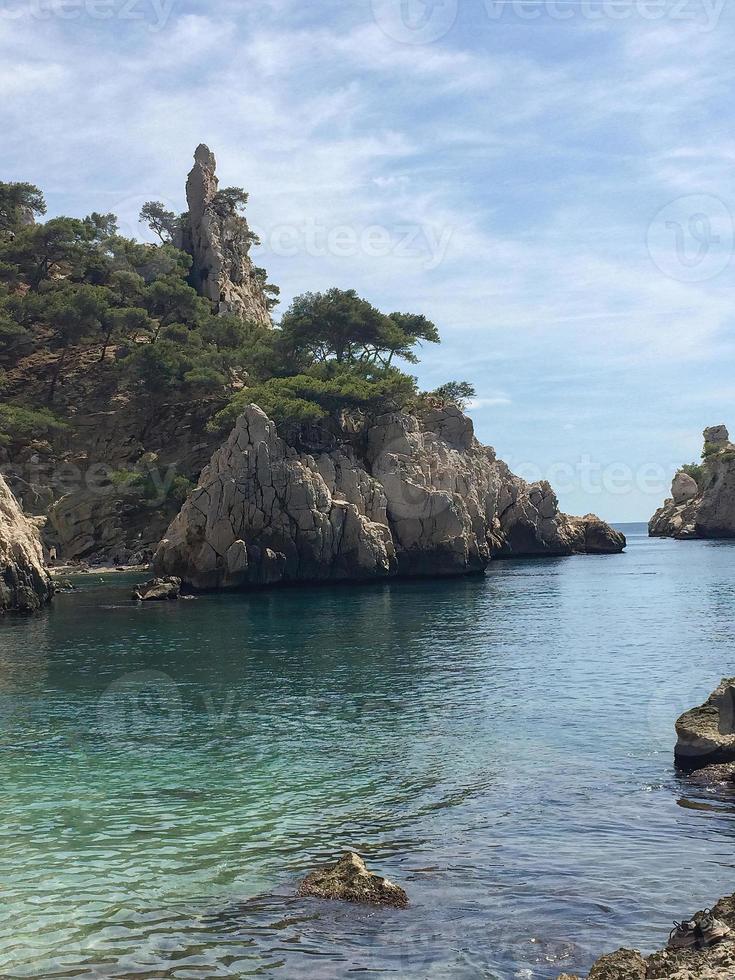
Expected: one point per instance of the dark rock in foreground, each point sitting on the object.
(714, 963)
(706, 734)
(159, 590)
(350, 881)
(703, 507)
(399, 495)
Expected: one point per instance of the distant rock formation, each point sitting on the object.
(402, 496)
(706, 734)
(218, 240)
(25, 584)
(703, 507)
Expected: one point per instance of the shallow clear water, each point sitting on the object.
(502, 746)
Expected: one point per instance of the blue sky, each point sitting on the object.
(551, 182)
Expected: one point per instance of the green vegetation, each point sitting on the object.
(696, 471)
(711, 449)
(18, 424)
(79, 300)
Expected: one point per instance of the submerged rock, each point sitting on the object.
(705, 507)
(25, 584)
(159, 590)
(350, 881)
(706, 734)
(404, 495)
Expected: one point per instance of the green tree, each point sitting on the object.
(340, 325)
(230, 200)
(19, 204)
(160, 220)
(74, 312)
(454, 393)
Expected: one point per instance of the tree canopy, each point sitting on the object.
(340, 325)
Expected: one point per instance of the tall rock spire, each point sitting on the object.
(218, 240)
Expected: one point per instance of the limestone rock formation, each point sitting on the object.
(406, 496)
(350, 881)
(158, 590)
(706, 734)
(25, 584)
(218, 240)
(705, 507)
(714, 963)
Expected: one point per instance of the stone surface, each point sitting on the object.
(715, 963)
(404, 496)
(722, 773)
(704, 508)
(716, 434)
(706, 734)
(625, 964)
(25, 585)
(159, 590)
(219, 243)
(350, 881)
(683, 488)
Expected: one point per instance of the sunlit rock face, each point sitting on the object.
(402, 496)
(25, 585)
(705, 507)
(219, 241)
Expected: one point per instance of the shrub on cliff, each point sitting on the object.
(309, 398)
(339, 325)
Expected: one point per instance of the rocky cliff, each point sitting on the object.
(25, 585)
(400, 495)
(703, 507)
(219, 240)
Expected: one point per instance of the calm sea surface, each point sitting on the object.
(502, 746)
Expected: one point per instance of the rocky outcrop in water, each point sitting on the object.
(714, 963)
(398, 496)
(706, 735)
(158, 590)
(703, 507)
(25, 584)
(350, 881)
(219, 240)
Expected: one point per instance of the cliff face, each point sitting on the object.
(705, 507)
(218, 240)
(25, 585)
(408, 497)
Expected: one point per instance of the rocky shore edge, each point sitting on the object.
(714, 963)
(400, 495)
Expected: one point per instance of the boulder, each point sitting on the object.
(25, 584)
(406, 495)
(706, 735)
(350, 881)
(683, 488)
(158, 590)
(716, 434)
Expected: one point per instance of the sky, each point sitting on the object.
(550, 181)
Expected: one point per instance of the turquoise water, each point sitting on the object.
(502, 746)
